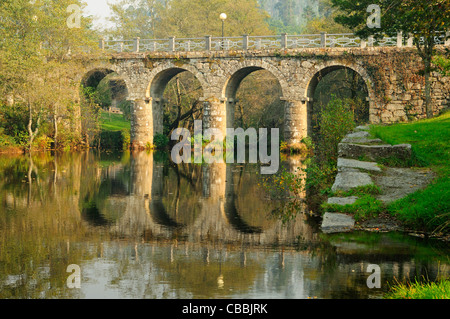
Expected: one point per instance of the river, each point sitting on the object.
(138, 226)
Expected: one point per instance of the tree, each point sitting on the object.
(324, 22)
(134, 18)
(36, 70)
(187, 18)
(417, 18)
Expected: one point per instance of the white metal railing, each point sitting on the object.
(272, 42)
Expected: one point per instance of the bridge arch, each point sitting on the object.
(94, 73)
(157, 81)
(237, 74)
(316, 74)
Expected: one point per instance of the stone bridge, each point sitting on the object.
(390, 69)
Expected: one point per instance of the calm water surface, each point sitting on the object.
(141, 227)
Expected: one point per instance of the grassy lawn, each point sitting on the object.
(428, 209)
(115, 133)
(114, 122)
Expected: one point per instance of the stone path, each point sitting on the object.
(395, 183)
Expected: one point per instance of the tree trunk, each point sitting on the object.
(32, 134)
(428, 106)
(55, 123)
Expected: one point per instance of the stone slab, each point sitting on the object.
(359, 134)
(345, 181)
(337, 223)
(362, 128)
(363, 140)
(342, 200)
(397, 183)
(374, 152)
(351, 163)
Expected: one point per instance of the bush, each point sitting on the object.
(160, 141)
(336, 120)
(6, 140)
(114, 140)
(43, 142)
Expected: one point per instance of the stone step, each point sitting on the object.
(351, 163)
(342, 200)
(374, 152)
(337, 223)
(362, 128)
(348, 180)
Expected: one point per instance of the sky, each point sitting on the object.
(99, 9)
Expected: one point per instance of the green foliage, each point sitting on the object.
(286, 188)
(420, 290)
(160, 141)
(284, 184)
(6, 140)
(13, 122)
(115, 132)
(114, 140)
(35, 74)
(442, 62)
(360, 190)
(410, 16)
(320, 176)
(336, 120)
(126, 106)
(186, 18)
(365, 207)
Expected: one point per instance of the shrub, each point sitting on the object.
(43, 142)
(160, 141)
(336, 120)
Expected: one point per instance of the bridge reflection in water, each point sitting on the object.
(211, 202)
(140, 227)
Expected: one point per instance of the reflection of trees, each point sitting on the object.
(231, 202)
(38, 222)
(181, 188)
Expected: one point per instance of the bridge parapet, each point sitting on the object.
(269, 42)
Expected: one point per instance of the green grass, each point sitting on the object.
(115, 131)
(427, 209)
(365, 207)
(371, 189)
(417, 290)
(114, 122)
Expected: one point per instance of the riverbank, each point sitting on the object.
(114, 135)
(409, 193)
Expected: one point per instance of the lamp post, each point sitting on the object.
(223, 17)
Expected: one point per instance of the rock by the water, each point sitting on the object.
(337, 223)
